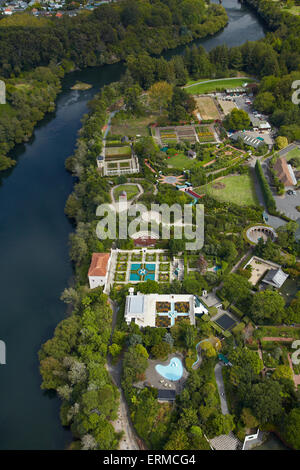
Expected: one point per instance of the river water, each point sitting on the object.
(34, 263)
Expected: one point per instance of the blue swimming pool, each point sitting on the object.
(217, 268)
(173, 371)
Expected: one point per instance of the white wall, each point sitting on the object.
(96, 281)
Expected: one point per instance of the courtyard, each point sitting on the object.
(259, 267)
(134, 266)
(154, 379)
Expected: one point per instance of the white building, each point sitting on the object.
(99, 268)
(161, 310)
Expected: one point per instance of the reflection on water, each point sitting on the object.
(272, 443)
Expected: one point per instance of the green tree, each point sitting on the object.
(267, 306)
(292, 428)
(237, 120)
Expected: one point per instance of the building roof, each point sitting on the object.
(275, 277)
(146, 241)
(285, 172)
(168, 395)
(98, 266)
(135, 304)
(247, 139)
(264, 125)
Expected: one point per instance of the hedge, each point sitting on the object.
(266, 190)
(236, 311)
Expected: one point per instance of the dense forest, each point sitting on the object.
(28, 98)
(108, 34)
(36, 52)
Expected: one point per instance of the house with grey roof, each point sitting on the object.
(275, 277)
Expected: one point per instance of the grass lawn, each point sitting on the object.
(238, 189)
(295, 10)
(118, 151)
(181, 161)
(207, 108)
(132, 127)
(130, 190)
(214, 85)
(292, 154)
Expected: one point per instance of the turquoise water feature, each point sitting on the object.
(173, 371)
(140, 273)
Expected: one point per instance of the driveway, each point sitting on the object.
(287, 204)
(129, 440)
(274, 221)
(221, 389)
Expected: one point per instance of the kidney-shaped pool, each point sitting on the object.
(173, 371)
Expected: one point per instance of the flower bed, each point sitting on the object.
(151, 257)
(121, 266)
(164, 257)
(163, 307)
(164, 267)
(182, 307)
(163, 277)
(120, 277)
(136, 257)
(162, 321)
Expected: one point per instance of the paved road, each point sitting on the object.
(287, 149)
(274, 221)
(123, 423)
(221, 389)
(216, 80)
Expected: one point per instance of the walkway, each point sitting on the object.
(240, 262)
(274, 221)
(123, 423)
(296, 377)
(216, 80)
(277, 338)
(116, 203)
(221, 388)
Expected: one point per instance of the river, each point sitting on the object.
(34, 231)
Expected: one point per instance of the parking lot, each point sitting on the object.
(267, 135)
(287, 204)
